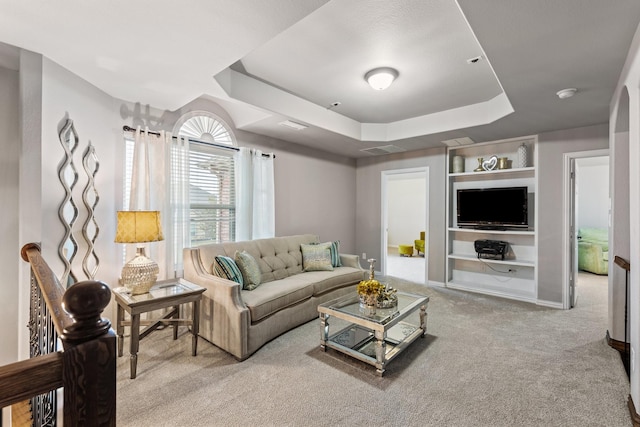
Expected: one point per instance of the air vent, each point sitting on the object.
(293, 125)
(474, 60)
(385, 149)
(458, 141)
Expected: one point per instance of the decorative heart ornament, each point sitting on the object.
(490, 164)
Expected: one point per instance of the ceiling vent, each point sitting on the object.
(385, 149)
(458, 142)
(293, 125)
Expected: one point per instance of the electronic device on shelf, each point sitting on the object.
(493, 208)
(491, 249)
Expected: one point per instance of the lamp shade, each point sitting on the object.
(138, 227)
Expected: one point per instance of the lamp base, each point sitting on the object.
(140, 274)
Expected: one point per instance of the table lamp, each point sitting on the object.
(139, 274)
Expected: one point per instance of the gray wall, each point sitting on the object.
(551, 149)
(48, 95)
(9, 255)
(369, 203)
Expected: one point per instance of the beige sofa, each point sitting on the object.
(241, 321)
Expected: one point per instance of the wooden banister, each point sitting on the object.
(85, 369)
(22, 380)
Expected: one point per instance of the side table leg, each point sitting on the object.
(381, 352)
(195, 327)
(120, 330)
(135, 343)
(324, 331)
(423, 320)
(176, 316)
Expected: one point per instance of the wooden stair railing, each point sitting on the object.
(85, 367)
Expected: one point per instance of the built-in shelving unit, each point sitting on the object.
(514, 277)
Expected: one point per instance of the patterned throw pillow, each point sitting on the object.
(335, 254)
(316, 257)
(250, 269)
(226, 268)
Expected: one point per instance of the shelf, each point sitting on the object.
(527, 295)
(503, 232)
(469, 257)
(529, 171)
(516, 276)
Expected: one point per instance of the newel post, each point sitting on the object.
(89, 372)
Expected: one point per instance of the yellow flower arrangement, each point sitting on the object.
(370, 288)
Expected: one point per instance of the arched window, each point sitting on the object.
(212, 194)
(205, 127)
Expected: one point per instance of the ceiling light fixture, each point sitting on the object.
(381, 78)
(566, 93)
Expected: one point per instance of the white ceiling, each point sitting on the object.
(266, 62)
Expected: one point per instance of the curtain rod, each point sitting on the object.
(197, 141)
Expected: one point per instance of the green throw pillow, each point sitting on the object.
(316, 257)
(226, 268)
(250, 270)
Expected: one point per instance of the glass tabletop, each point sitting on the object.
(351, 305)
(162, 289)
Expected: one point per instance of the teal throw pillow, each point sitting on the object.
(316, 257)
(335, 254)
(250, 270)
(226, 268)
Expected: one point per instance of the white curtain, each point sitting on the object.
(255, 206)
(160, 182)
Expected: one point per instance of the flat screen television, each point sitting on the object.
(493, 208)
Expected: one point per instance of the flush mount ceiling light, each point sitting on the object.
(566, 93)
(381, 78)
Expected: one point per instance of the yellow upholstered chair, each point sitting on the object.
(419, 244)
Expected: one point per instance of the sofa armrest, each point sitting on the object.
(224, 318)
(350, 260)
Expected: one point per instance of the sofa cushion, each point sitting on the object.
(225, 267)
(250, 270)
(316, 257)
(272, 297)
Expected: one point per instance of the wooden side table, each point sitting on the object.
(164, 294)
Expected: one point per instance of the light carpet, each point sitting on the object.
(484, 362)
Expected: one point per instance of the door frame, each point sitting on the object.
(384, 180)
(569, 240)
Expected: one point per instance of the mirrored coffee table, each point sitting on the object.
(377, 338)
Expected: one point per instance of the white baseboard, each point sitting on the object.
(550, 304)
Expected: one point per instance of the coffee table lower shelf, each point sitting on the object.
(361, 343)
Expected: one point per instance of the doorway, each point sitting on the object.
(587, 221)
(405, 207)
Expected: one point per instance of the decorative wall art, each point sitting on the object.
(68, 211)
(90, 198)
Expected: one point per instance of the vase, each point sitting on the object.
(458, 164)
(368, 304)
(503, 163)
(523, 156)
(370, 310)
